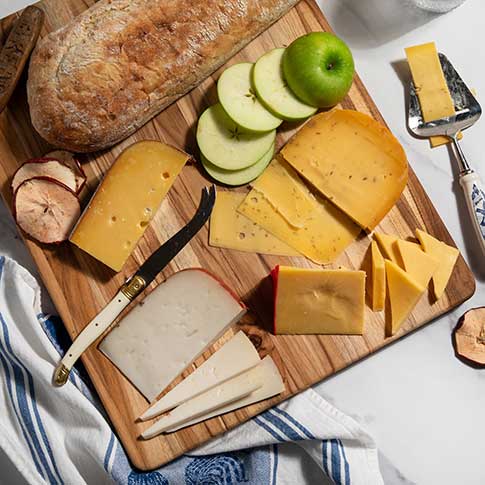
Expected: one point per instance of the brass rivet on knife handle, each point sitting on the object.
(132, 288)
(16, 51)
(61, 375)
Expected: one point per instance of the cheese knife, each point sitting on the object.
(134, 286)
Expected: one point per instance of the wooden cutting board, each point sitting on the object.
(80, 286)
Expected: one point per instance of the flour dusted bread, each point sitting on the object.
(117, 65)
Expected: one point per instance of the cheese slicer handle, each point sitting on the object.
(475, 199)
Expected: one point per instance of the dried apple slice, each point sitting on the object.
(470, 336)
(45, 209)
(70, 160)
(44, 167)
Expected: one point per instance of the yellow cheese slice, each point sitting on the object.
(446, 255)
(322, 238)
(420, 265)
(126, 201)
(388, 247)
(353, 160)
(378, 278)
(283, 189)
(231, 230)
(318, 301)
(404, 294)
(430, 83)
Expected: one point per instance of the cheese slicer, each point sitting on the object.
(467, 113)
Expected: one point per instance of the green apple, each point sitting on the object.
(239, 100)
(238, 177)
(226, 144)
(319, 69)
(273, 91)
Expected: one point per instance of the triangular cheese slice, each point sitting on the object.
(404, 293)
(446, 257)
(378, 278)
(420, 265)
(388, 247)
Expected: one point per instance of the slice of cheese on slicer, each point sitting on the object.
(235, 357)
(420, 265)
(378, 278)
(404, 294)
(170, 328)
(444, 254)
(230, 391)
(231, 230)
(284, 190)
(388, 247)
(272, 385)
(430, 83)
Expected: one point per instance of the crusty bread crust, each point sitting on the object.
(113, 68)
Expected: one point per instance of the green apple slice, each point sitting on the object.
(273, 91)
(238, 98)
(238, 177)
(226, 144)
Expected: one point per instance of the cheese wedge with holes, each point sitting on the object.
(378, 278)
(387, 243)
(126, 201)
(318, 301)
(235, 357)
(420, 265)
(404, 293)
(283, 189)
(353, 160)
(156, 341)
(272, 385)
(430, 83)
(323, 236)
(446, 255)
(231, 230)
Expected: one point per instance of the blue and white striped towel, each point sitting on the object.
(62, 436)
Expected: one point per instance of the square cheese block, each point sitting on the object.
(126, 201)
(353, 160)
(378, 278)
(318, 301)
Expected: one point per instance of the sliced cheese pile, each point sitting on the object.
(126, 201)
(173, 325)
(313, 301)
(409, 267)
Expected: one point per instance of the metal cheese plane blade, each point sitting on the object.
(135, 285)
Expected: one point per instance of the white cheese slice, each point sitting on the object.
(175, 323)
(236, 388)
(235, 357)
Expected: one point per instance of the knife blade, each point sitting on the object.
(135, 285)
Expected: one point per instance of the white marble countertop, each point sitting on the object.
(422, 405)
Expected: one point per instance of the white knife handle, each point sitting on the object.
(475, 199)
(89, 334)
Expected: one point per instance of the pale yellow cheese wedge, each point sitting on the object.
(388, 247)
(444, 254)
(231, 230)
(420, 265)
(404, 293)
(378, 278)
(318, 301)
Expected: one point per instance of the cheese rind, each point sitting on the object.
(378, 278)
(235, 357)
(353, 160)
(420, 265)
(314, 301)
(175, 323)
(404, 293)
(126, 201)
(387, 243)
(231, 230)
(447, 257)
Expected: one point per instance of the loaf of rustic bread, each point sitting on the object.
(113, 68)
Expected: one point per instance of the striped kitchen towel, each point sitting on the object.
(61, 436)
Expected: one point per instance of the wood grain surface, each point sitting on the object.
(80, 286)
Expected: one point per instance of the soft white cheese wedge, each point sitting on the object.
(233, 358)
(175, 323)
(219, 396)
